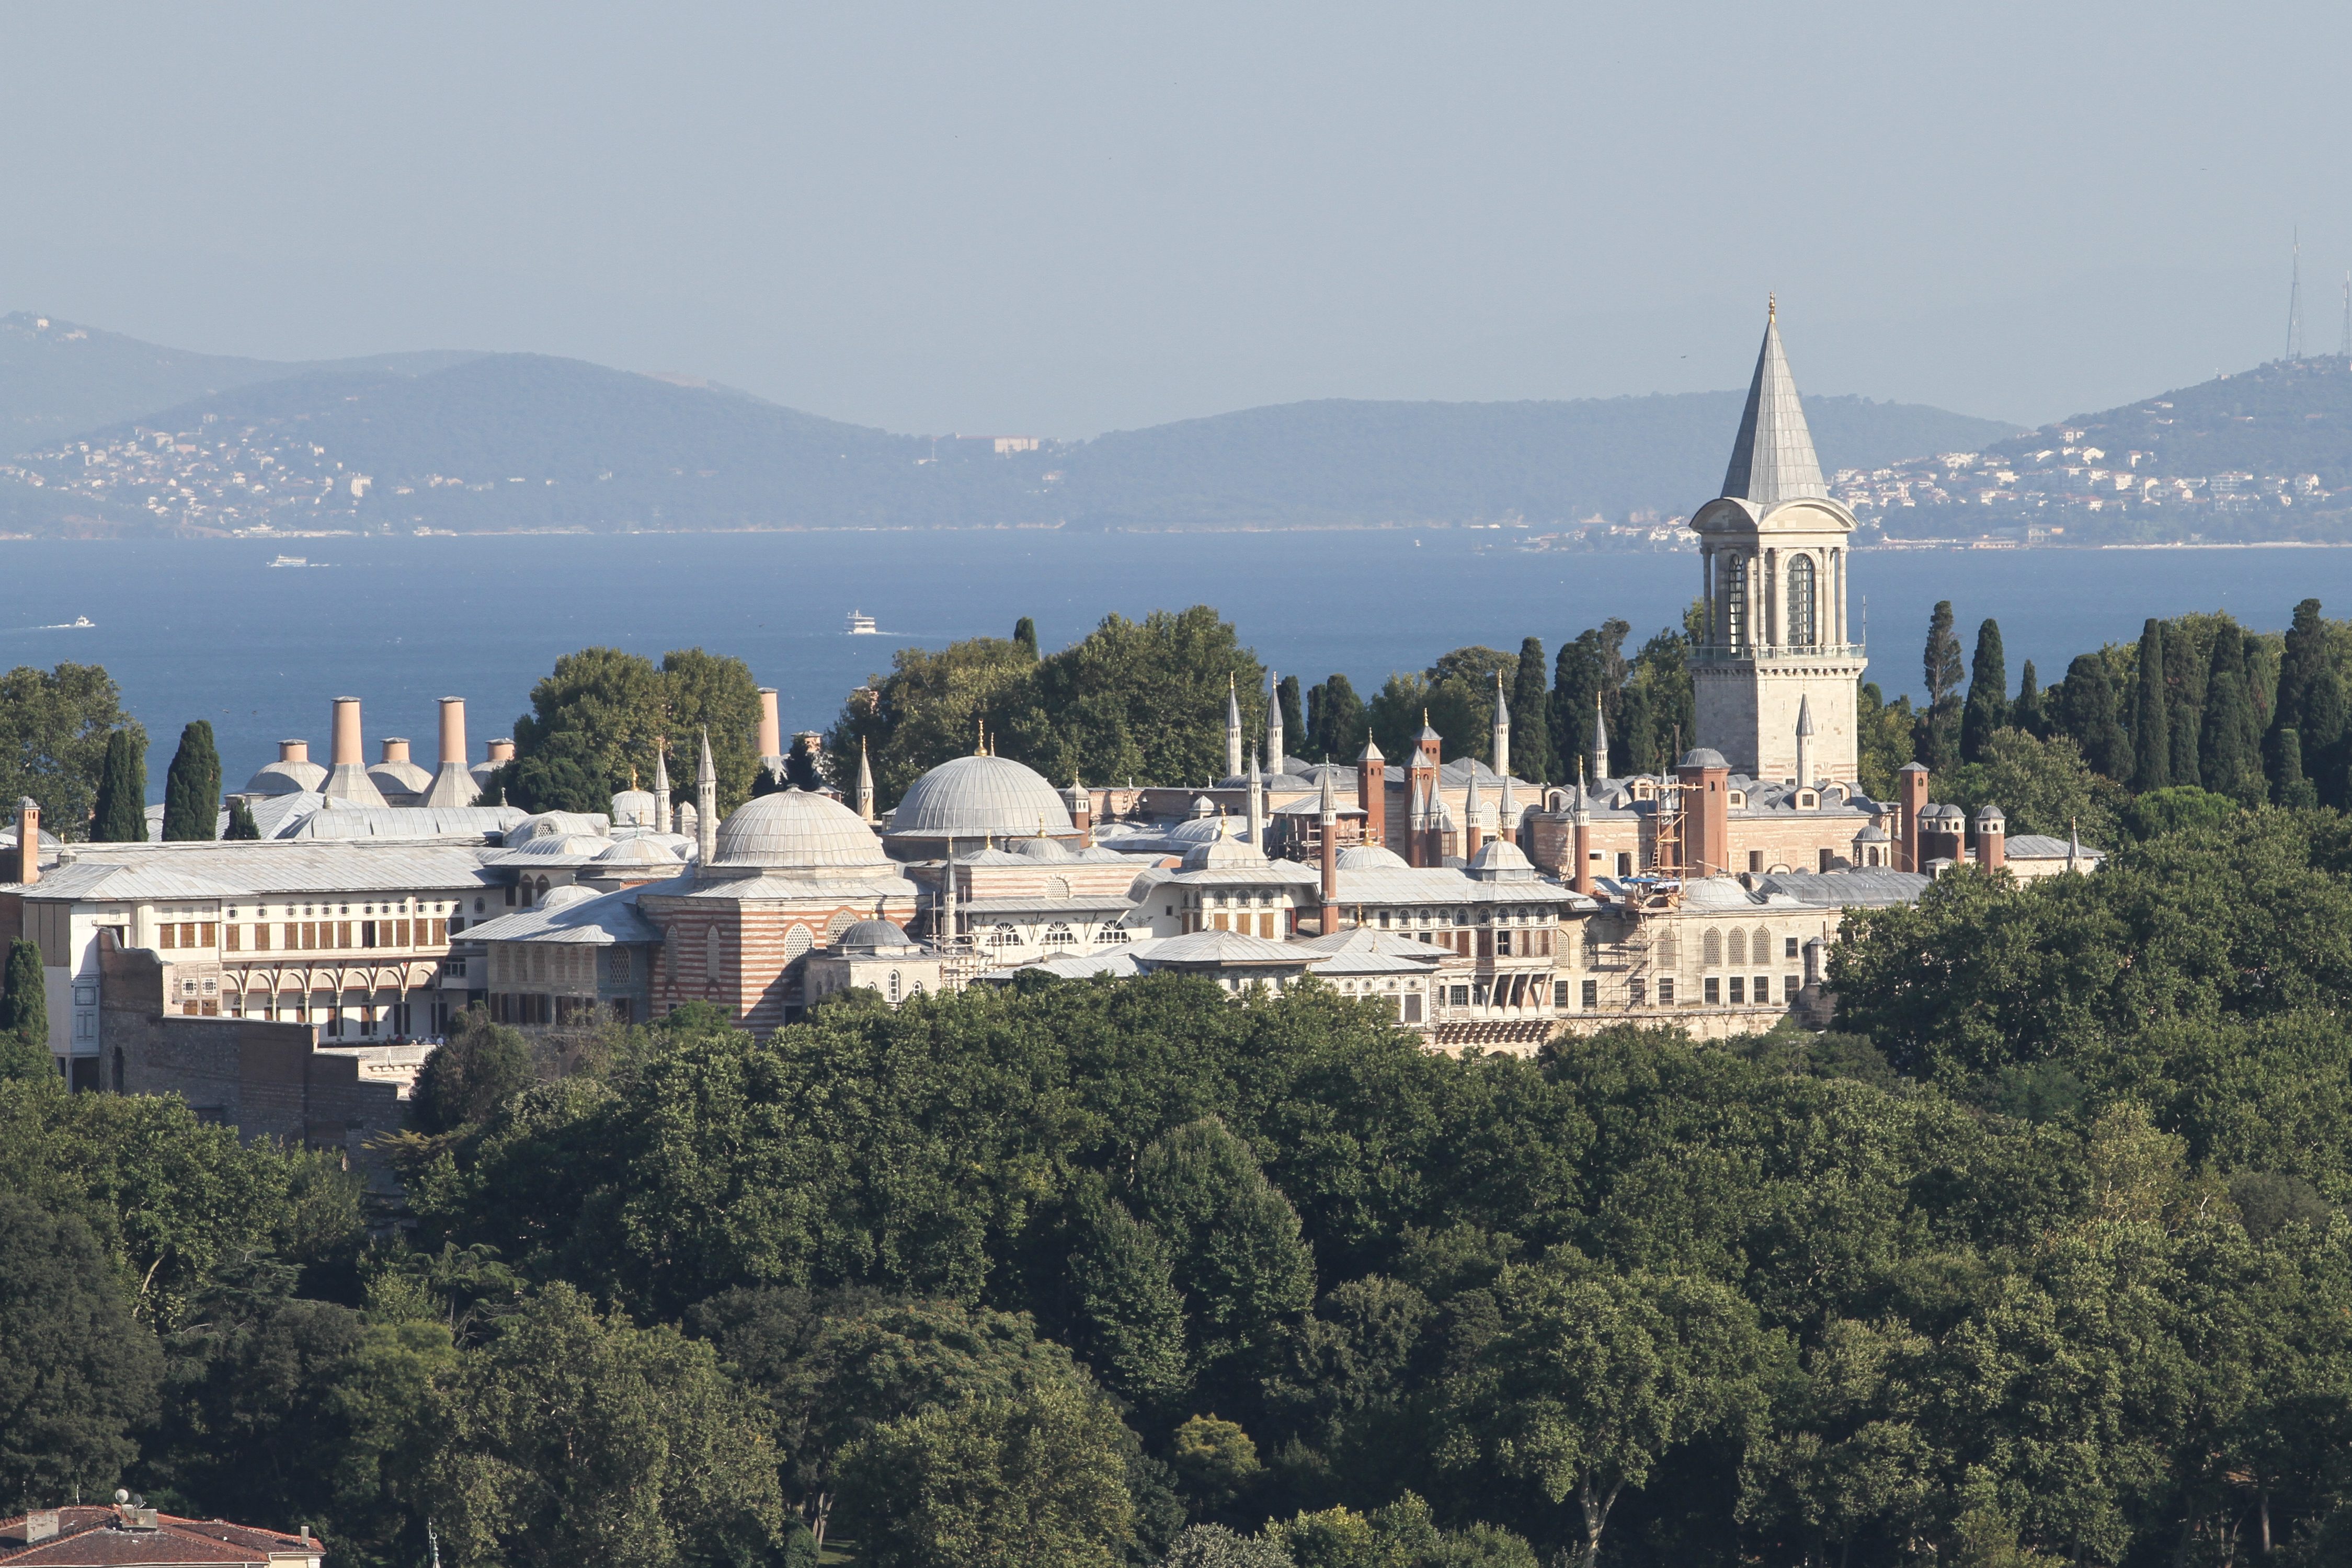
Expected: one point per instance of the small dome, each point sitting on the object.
(1371, 857)
(874, 933)
(1500, 854)
(1202, 830)
(1990, 813)
(1717, 893)
(400, 777)
(634, 809)
(1040, 849)
(1703, 757)
(797, 829)
(569, 893)
(283, 778)
(638, 851)
(975, 797)
(1872, 834)
(1223, 852)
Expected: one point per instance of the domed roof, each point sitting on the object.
(796, 829)
(968, 797)
(635, 808)
(1716, 893)
(1703, 757)
(874, 933)
(1041, 849)
(1500, 855)
(1202, 830)
(284, 777)
(1991, 813)
(571, 893)
(1223, 852)
(1872, 834)
(400, 777)
(1371, 857)
(639, 852)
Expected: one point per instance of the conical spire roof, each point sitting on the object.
(1773, 459)
(1804, 719)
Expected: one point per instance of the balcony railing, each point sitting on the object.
(1779, 653)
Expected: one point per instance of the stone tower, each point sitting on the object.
(1772, 554)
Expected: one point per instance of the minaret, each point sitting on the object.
(663, 822)
(1274, 752)
(945, 934)
(1327, 817)
(1416, 819)
(865, 784)
(1233, 730)
(1805, 780)
(1582, 879)
(1471, 822)
(1507, 825)
(706, 805)
(1257, 807)
(1372, 792)
(1502, 728)
(1600, 739)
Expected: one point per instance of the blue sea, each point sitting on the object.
(202, 629)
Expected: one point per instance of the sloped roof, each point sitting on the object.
(1772, 459)
(87, 1536)
(603, 920)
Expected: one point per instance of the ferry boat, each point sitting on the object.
(80, 623)
(292, 561)
(862, 624)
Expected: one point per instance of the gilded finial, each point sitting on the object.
(1771, 308)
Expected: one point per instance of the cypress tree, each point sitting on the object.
(2026, 712)
(2228, 740)
(1531, 752)
(2086, 710)
(241, 825)
(1575, 687)
(2294, 790)
(24, 1015)
(2322, 732)
(122, 815)
(192, 787)
(1988, 706)
(2151, 735)
(1942, 665)
(1025, 635)
(1294, 723)
(2184, 683)
(1337, 720)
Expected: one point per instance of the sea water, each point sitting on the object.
(207, 629)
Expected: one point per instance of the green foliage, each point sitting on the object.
(54, 726)
(572, 1431)
(1126, 1312)
(1660, 708)
(1532, 750)
(2041, 786)
(1025, 635)
(81, 1371)
(1215, 1458)
(241, 827)
(1987, 702)
(2229, 736)
(1337, 723)
(1883, 734)
(994, 1482)
(1588, 671)
(120, 812)
(1214, 1546)
(1239, 1259)
(1287, 700)
(2182, 809)
(192, 788)
(2026, 713)
(24, 1016)
(598, 718)
(2151, 709)
(481, 1067)
(2084, 709)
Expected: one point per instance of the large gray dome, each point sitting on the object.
(797, 830)
(971, 796)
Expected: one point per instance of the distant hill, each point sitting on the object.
(472, 441)
(1547, 462)
(2264, 455)
(57, 378)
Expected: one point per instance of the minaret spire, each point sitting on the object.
(664, 822)
(1257, 807)
(1773, 459)
(1274, 743)
(706, 805)
(865, 784)
(1232, 729)
(1502, 728)
(1600, 739)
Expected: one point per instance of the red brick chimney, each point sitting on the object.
(1372, 793)
(28, 839)
(1992, 837)
(1582, 879)
(1911, 799)
(1706, 812)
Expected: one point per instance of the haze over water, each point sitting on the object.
(207, 630)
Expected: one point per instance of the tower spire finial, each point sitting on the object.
(1773, 459)
(1771, 308)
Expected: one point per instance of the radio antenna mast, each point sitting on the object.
(2295, 301)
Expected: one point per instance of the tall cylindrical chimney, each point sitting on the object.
(453, 731)
(1582, 879)
(347, 733)
(501, 751)
(293, 751)
(771, 728)
(28, 839)
(395, 749)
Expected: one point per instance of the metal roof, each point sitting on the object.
(607, 920)
(2042, 847)
(1223, 947)
(1773, 458)
(969, 797)
(1117, 901)
(134, 873)
(1865, 887)
(1435, 884)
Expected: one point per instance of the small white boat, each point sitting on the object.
(80, 622)
(292, 561)
(862, 624)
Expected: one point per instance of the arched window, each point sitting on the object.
(1738, 945)
(1003, 935)
(1058, 887)
(713, 957)
(1711, 948)
(894, 987)
(797, 941)
(1763, 947)
(1059, 934)
(1803, 622)
(1735, 599)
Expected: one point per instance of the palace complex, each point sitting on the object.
(292, 985)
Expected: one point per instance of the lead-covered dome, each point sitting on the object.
(975, 797)
(796, 830)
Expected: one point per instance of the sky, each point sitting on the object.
(1058, 220)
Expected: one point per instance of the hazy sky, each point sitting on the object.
(1058, 220)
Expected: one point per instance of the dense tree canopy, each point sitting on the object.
(54, 728)
(598, 719)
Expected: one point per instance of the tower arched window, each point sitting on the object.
(1735, 599)
(1804, 602)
